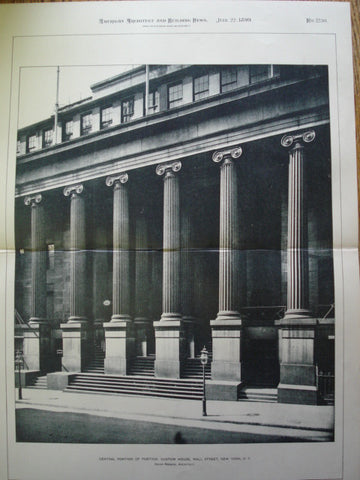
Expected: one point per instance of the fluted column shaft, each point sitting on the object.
(171, 243)
(38, 259)
(121, 253)
(186, 266)
(141, 270)
(77, 253)
(297, 245)
(229, 234)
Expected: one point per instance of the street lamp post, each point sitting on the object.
(19, 364)
(204, 361)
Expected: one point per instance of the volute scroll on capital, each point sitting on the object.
(73, 189)
(172, 166)
(306, 137)
(232, 153)
(116, 179)
(33, 199)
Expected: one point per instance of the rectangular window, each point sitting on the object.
(201, 87)
(106, 116)
(259, 73)
(31, 143)
(68, 130)
(228, 78)
(86, 123)
(153, 101)
(48, 137)
(127, 110)
(175, 95)
(18, 147)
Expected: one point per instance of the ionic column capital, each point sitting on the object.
(73, 190)
(228, 154)
(306, 137)
(32, 200)
(116, 180)
(168, 168)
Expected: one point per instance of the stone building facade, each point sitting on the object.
(181, 206)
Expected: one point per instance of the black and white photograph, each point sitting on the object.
(179, 264)
(174, 257)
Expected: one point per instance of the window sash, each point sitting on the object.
(175, 95)
(106, 116)
(201, 87)
(86, 123)
(31, 142)
(127, 110)
(228, 78)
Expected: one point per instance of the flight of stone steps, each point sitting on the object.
(258, 394)
(40, 383)
(136, 385)
(97, 364)
(143, 366)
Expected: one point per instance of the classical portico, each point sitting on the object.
(147, 240)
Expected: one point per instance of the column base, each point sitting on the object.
(37, 345)
(297, 338)
(76, 346)
(119, 347)
(170, 348)
(297, 394)
(217, 390)
(226, 344)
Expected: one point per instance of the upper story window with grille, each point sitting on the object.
(48, 137)
(259, 73)
(175, 95)
(127, 110)
(153, 101)
(106, 116)
(68, 130)
(86, 123)
(228, 78)
(31, 143)
(201, 87)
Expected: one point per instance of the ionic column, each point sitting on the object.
(121, 253)
(142, 279)
(169, 331)
(297, 254)
(76, 335)
(77, 253)
(297, 328)
(226, 329)
(37, 336)
(171, 242)
(38, 259)
(119, 341)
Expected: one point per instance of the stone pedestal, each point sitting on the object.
(120, 344)
(297, 363)
(170, 348)
(226, 338)
(76, 346)
(36, 345)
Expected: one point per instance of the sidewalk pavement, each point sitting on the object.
(308, 422)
